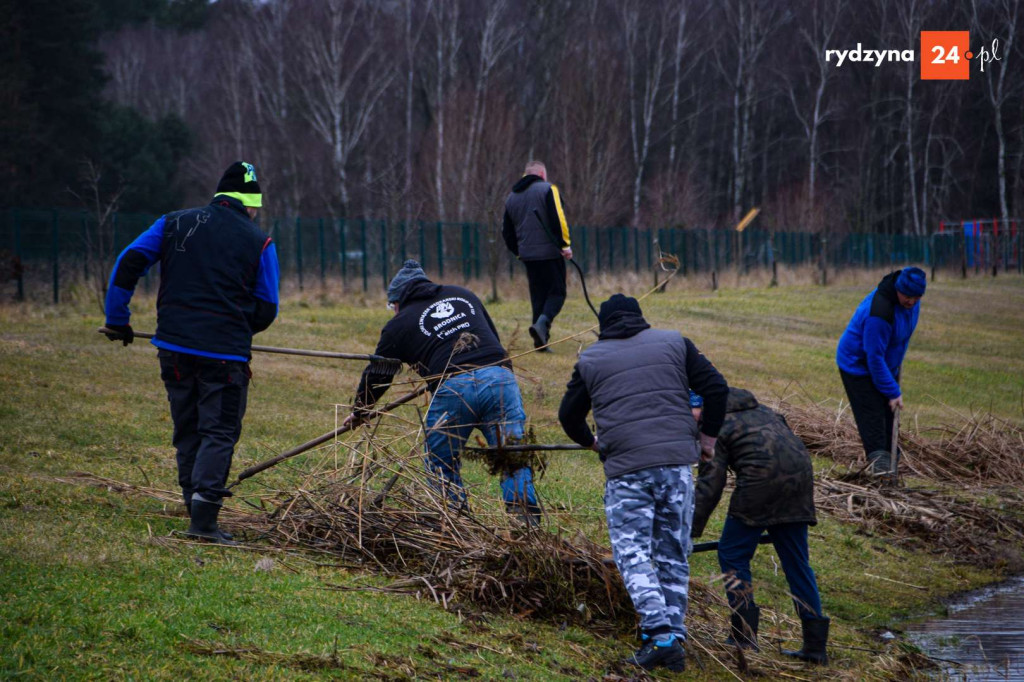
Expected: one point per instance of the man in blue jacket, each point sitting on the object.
(637, 380)
(870, 354)
(218, 286)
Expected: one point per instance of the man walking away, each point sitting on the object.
(774, 493)
(534, 229)
(218, 287)
(637, 380)
(870, 354)
(444, 331)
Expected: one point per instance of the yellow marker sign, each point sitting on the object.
(747, 219)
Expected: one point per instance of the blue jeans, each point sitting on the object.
(736, 548)
(487, 399)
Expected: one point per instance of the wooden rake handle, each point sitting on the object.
(319, 440)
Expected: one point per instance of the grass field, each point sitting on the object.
(90, 590)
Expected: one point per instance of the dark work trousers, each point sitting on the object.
(547, 286)
(207, 399)
(870, 411)
(736, 548)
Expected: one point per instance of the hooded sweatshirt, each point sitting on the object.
(438, 330)
(534, 226)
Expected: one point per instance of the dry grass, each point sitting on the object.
(947, 506)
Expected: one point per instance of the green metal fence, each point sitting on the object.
(42, 251)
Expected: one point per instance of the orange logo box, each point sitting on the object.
(945, 55)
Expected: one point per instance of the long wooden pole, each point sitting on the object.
(309, 445)
(297, 351)
(535, 447)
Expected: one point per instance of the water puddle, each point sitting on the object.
(982, 636)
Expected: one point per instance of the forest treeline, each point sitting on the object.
(663, 112)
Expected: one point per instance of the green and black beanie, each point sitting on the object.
(239, 181)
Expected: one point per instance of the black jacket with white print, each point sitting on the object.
(439, 329)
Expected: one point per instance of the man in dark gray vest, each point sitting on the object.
(534, 229)
(637, 380)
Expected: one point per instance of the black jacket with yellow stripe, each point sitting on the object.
(534, 226)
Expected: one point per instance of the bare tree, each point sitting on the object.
(1007, 14)
(644, 73)
(412, 33)
(751, 24)
(343, 78)
(447, 43)
(817, 35)
(496, 38)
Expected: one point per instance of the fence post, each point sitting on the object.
(930, 244)
(995, 247)
(1020, 249)
(440, 250)
(55, 256)
(466, 265)
(323, 253)
(401, 240)
(85, 243)
(583, 239)
(343, 244)
(362, 238)
(823, 266)
(636, 250)
(962, 237)
(423, 245)
(476, 248)
(17, 252)
(298, 249)
(384, 252)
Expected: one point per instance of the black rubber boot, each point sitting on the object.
(743, 633)
(651, 655)
(880, 461)
(540, 331)
(815, 639)
(224, 534)
(204, 523)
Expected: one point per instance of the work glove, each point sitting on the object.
(707, 447)
(120, 332)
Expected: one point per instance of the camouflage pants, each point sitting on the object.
(649, 514)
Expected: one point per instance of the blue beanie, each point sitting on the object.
(695, 400)
(912, 282)
(411, 272)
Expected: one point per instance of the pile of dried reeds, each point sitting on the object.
(979, 449)
(410, 529)
(928, 520)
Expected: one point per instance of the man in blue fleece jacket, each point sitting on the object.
(218, 287)
(870, 354)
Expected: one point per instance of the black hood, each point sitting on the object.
(887, 287)
(622, 325)
(423, 288)
(740, 399)
(525, 182)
